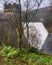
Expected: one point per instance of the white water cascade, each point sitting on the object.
(37, 34)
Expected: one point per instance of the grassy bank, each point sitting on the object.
(12, 56)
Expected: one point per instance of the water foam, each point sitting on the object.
(38, 29)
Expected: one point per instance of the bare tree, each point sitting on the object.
(28, 10)
(20, 29)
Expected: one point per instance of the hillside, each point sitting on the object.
(43, 15)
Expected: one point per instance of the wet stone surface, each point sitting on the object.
(47, 47)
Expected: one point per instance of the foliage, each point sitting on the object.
(12, 56)
(1, 43)
(8, 51)
(32, 49)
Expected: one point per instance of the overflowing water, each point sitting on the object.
(37, 34)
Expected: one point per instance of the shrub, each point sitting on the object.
(33, 50)
(1, 43)
(8, 51)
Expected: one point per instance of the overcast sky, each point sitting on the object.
(44, 4)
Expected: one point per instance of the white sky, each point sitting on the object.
(44, 4)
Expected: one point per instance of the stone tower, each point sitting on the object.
(8, 24)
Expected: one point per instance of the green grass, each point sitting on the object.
(12, 56)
